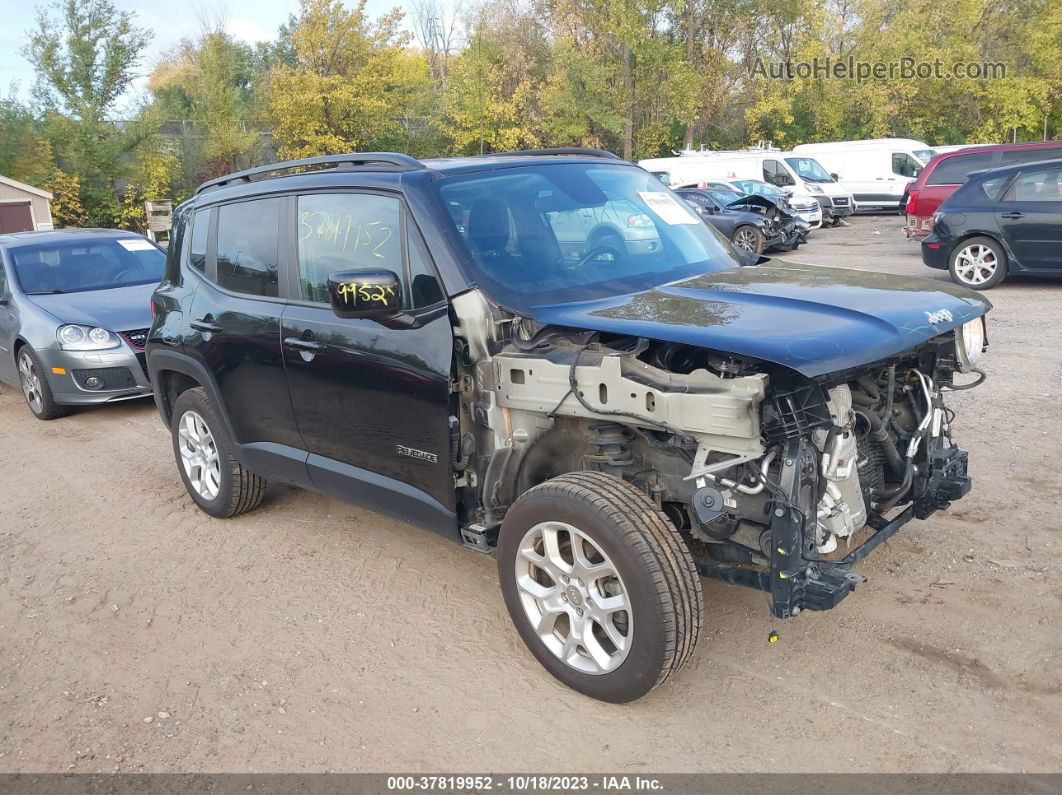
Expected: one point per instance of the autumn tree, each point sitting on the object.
(350, 84)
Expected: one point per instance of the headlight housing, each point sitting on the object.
(970, 343)
(75, 337)
(815, 188)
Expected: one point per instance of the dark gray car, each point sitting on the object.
(74, 315)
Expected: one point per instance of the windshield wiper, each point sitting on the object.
(49, 292)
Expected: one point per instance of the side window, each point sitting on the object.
(1037, 186)
(247, 246)
(424, 286)
(992, 187)
(1016, 156)
(346, 231)
(775, 173)
(3, 278)
(904, 165)
(198, 245)
(953, 171)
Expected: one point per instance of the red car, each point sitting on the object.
(946, 172)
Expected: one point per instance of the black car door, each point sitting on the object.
(235, 318)
(371, 402)
(1030, 218)
(711, 211)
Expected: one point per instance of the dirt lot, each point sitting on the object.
(138, 634)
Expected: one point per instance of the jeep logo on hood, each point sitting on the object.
(940, 316)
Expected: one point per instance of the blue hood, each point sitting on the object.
(814, 320)
(117, 309)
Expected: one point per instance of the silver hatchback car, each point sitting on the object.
(74, 316)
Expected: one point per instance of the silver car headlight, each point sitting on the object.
(970, 342)
(86, 338)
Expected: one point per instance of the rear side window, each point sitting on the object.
(953, 171)
(198, 245)
(247, 247)
(346, 231)
(1017, 156)
(1044, 185)
(992, 187)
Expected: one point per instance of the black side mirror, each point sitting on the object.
(4, 300)
(836, 177)
(372, 294)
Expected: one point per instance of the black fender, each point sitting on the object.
(174, 361)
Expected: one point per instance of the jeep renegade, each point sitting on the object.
(610, 416)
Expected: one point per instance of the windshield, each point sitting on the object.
(563, 232)
(808, 169)
(82, 265)
(756, 188)
(924, 155)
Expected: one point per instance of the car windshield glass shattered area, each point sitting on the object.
(82, 265)
(560, 232)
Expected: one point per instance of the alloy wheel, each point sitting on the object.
(746, 239)
(199, 456)
(31, 383)
(574, 598)
(976, 264)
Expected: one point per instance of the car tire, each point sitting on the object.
(979, 263)
(610, 239)
(749, 238)
(35, 387)
(218, 483)
(619, 532)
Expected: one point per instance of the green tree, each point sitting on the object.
(86, 54)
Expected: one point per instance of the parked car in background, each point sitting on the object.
(74, 315)
(801, 205)
(619, 225)
(946, 172)
(1000, 222)
(876, 171)
(755, 226)
(769, 165)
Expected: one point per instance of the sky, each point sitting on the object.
(246, 20)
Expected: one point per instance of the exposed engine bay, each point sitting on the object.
(778, 481)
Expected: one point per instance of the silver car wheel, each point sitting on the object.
(574, 598)
(199, 455)
(976, 264)
(746, 239)
(31, 383)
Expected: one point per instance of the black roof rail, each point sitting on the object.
(583, 151)
(386, 161)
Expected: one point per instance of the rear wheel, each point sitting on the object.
(749, 238)
(35, 387)
(207, 461)
(600, 585)
(978, 263)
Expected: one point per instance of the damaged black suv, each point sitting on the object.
(611, 415)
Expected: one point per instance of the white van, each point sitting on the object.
(875, 172)
(768, 165)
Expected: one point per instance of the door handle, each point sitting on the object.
(1013, 215)
(206, 324)
(304, 345)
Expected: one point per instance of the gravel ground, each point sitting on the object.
(137, 634)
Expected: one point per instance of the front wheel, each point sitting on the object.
(749, 238)
(978, 263)
(600, 585)
(35, 387)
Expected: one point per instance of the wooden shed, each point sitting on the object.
(23, 208)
